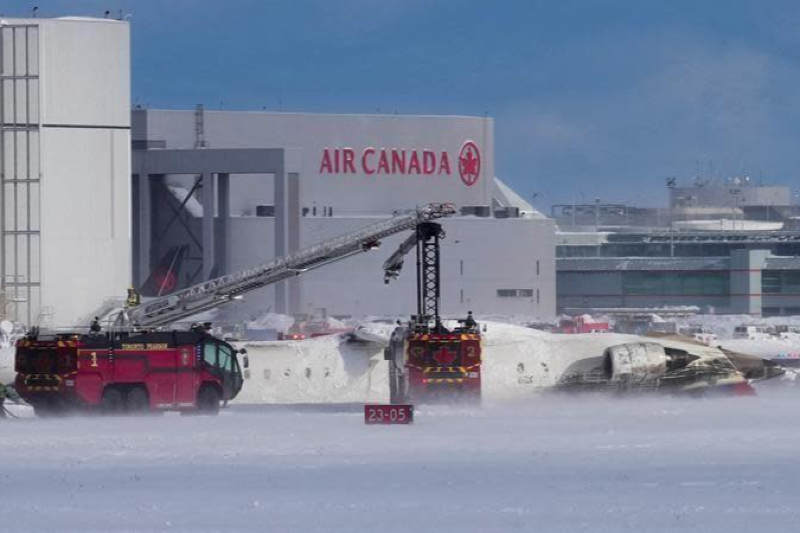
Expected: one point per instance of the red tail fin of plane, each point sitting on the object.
(164, 277)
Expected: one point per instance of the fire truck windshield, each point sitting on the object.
(221, 361)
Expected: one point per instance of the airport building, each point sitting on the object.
(218, 191)
(65, 167)
(730, 247)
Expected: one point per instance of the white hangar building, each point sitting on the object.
(218, 191)
(65, 164)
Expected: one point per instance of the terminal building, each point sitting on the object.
(219, 191)
(730, 247)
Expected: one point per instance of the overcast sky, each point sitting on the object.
(591, 99)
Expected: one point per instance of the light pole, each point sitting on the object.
(596, 215)
(670, 187)
(735, 194)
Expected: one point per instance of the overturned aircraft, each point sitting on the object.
(517, 362)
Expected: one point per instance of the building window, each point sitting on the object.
(676, 283)
(515, 293)
(771, 281)
(537, 267)
(780, 282)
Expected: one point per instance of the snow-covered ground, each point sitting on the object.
(556, 464)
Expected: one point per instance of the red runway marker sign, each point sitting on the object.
(388, 414)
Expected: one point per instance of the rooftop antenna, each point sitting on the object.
(107, 13)
(199, 127)
(35, 10)
(119, 15)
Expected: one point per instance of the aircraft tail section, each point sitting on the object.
(164, 277)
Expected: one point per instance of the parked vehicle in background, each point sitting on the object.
(753, 333)
(581, 324)
(787, 333)
(701, 334)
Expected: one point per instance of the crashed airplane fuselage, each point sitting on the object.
(519, 360)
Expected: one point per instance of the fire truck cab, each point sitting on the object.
(134, 372)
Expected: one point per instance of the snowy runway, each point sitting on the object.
(555, 464)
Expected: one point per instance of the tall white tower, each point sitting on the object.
(65, 167)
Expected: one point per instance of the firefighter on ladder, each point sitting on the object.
(469, 322)
(134, 298)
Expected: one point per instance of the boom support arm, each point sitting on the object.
(219, 291)
(426, 240)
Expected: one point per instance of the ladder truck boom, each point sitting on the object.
(219, 291)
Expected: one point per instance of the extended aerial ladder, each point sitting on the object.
(426, 239)
(159, 312)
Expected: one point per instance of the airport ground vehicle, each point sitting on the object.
(136, 362)
(755, 333)
(787, 332)
(307, 326)
(428, 360)
(127, 372)
(700, 334)
(582, 324)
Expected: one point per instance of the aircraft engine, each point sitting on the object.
(639, 361)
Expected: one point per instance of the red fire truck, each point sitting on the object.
(428, 360)
(117, 373)
(434, 365)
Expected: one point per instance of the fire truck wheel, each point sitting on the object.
(137, 401)
(45, 409)
(113, 402)
(208, 401)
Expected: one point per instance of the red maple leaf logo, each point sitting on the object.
(445, 356)
(469, 163)
(165, 281)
